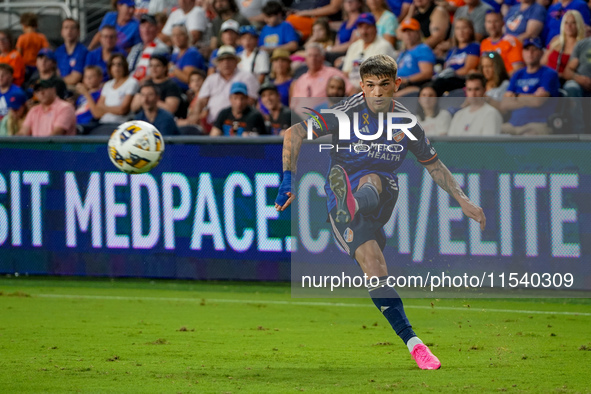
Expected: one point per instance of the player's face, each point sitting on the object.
(493, 24)
(379, 90)
(69, 31)
(238, 101)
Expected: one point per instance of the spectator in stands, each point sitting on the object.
(139, 55)
(277, 34)
(281, 75)
(152, 111)
(578, 80)
(101, 55)
(279, 117)
(497, 79)
(192, 17)
(507, 46)
(186, 59)
(556, 13)
(9, 55)
(128, 32)
(572, 30)
(216, 89)
(346, 34)
(305, 12)
(225, 10)
(434, 120)
(252, 59)
(475, 11)
(115, 102)
(8, 90)
(89, 91)
(240, 119)
(434, 21)
(17, 111)
(313, 83)
(335, 92)
(47, 70)
(528, 92)
(253, 10)
(71, 56)
(525, 20)
(368, 44)
(53, 116)
(30, 42)
(386, 22)
(477, 118)
(155, 6)
(193, 118)
(321, 34)
(169, 92)
(400, 8)
(230, 35)
(462, 58)
(415, 63)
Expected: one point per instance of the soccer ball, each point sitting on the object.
(136, 147)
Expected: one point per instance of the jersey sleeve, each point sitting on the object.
(539, 13)
(422, 148)
(289, 34)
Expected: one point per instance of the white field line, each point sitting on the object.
(302, 303)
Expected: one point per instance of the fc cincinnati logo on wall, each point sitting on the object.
(348, 235)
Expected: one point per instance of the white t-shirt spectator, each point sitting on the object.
(356, 54)
(261, 64)
(484, 121)
(438, 125)
(193, 20)
(114, 97)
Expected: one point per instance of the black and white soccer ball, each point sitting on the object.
(136, 147)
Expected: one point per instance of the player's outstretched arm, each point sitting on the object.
(444, 178)
(292, 142)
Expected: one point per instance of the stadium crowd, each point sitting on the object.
(221, 67)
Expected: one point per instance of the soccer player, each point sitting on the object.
(363, 188)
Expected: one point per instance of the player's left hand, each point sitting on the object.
(473, 211)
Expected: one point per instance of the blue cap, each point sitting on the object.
(129, 3)
(48, 53)
(239, 87)
(533, 41)
(249, 30)
(16, 101)
(366, 18)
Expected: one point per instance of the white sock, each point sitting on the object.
(412, 342)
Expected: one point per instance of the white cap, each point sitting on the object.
(230, 24)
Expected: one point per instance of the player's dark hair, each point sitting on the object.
(420, 111)
(7, 34)
(476, 77)
(273, 8)
(7, 67)
(150, 84)
(71, 20)
(29, 19)
(379, 66)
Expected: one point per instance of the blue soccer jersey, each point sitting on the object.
(360, 157)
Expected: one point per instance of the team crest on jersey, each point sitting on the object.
(348, 235)
(398, 136)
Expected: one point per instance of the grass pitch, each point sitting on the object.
(68, 335)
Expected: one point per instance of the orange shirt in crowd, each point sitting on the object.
(29, 44)
(509, 47)
(18, 65)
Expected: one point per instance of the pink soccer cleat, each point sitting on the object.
(424, 358)
(341, 187)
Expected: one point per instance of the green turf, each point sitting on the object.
(64, 335)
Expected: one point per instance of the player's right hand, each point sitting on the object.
(285, 195)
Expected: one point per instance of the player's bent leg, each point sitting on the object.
(386, 299)
(367, 196)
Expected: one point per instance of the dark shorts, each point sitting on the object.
(367, 227)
